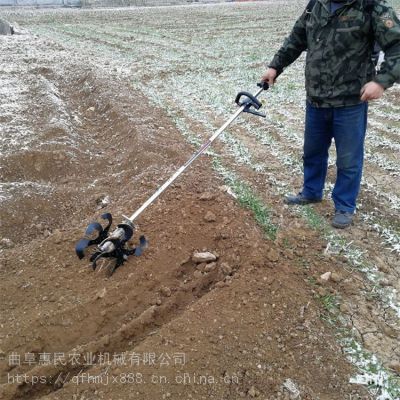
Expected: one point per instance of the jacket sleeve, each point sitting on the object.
(386, 28)
(292, 47)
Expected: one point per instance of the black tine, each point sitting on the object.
(143, 241)
(81, 247)
(138, 251)
(94, 226)
(95, 257)
(109, 218)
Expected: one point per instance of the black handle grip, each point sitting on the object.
(250, 100)
(263, 85)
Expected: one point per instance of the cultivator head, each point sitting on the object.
(113, 246)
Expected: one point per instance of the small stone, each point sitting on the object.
(382, 266)
(103, 201)
(185, 261)
(226, 268)
(57, 236)
(395, 366)
(204, 257)
(210, 217)
(101, 293)
(158, 302)
(206, 196)
(252, 392)
(106, 201)
(223, 235)
(345, 308)
(385, 282)
(201, 267)
(210, 267)
(335, 277)
(299, 252)
(90, 109)
(197, 274)
(166, 291)
(39, 227)
(273, 255)
(6, 243)
(106, 340)
(66, 322)
(371, 341)
(326, 276)
(391, 332)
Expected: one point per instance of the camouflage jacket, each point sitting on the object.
(339, 48)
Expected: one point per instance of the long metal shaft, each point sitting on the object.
(202, 149)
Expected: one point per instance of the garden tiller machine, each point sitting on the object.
(115, 245)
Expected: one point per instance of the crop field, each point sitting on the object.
(97, 109)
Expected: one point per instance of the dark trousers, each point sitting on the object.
(347, 126)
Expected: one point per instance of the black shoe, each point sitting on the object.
(299, 199)
(342, 219)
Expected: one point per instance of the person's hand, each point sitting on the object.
(269, 76)
(371, 91)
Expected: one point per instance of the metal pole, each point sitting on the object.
(202, 149)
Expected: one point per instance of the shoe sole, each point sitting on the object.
(341, 226)
(301, 203)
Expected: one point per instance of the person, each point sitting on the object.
(340, 79)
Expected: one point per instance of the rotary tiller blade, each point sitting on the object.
(94, 227)
(89, 239)
(80, 248)
(142, 245)
(108, 217)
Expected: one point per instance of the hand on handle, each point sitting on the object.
(263, 85)
(269, 76)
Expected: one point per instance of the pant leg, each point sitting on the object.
(317, 140)
(349, 127)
